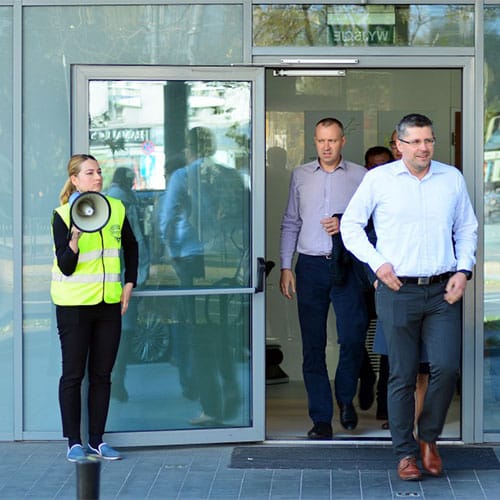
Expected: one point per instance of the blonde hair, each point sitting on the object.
(74, 167)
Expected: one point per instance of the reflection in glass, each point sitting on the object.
(177, 153)
(182, 149)
(184, 362)
(121, 188)
(126, 130)
(492, 222)
(6, 226)
(201, 213)
(363, 25)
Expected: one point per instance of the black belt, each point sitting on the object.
(328, 257)
(426, 280)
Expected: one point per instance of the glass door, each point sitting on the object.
(182, 148)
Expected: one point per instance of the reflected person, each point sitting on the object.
(201, 221)
(121, 188)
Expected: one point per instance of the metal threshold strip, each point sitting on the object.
(344, 442)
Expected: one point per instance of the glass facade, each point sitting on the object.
(55, 37)
(492, 221)
(6, 225)
(317, 25)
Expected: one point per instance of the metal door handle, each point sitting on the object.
(261, 272)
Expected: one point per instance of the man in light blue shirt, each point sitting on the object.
(201, 217)
(425, 251)
(319, 190)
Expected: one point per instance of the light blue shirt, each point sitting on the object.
(424, 227)
(203, 206)
(315, 194)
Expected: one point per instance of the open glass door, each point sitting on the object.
(180, 147)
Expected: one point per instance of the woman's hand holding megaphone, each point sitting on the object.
(75, 236)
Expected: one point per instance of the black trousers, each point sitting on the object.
(87, 333)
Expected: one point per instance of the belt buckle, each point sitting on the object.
(423, 280)
(328, 257)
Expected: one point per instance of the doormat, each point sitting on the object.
(353, 458)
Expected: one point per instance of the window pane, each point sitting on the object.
(317, 25)
(492, 222)
(179, 357)
(177, 154)
(6, 242)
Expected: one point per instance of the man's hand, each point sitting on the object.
(455, 288)
(287, 283)
(331, 225)
(385, 273)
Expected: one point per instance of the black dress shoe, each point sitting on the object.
(321, 430)
(366, 393)
(382, 413)
(348, 416)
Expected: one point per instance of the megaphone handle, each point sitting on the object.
(75, 236)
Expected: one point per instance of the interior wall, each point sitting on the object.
(369, 102)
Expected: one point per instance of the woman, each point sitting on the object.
(90, 300)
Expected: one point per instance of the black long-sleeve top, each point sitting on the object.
(67, 259)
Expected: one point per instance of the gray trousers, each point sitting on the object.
(413, 315)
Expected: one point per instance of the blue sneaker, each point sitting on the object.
(75, 453)
(105, 451)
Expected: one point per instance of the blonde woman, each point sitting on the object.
(90, 300)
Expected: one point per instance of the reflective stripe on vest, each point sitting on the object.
(97, 275)
(85, 278)
(88, 256)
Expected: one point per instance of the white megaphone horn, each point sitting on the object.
(90, 211)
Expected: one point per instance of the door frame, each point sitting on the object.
(472, 154)
(81, 75)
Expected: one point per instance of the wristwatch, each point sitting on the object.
(468, 274)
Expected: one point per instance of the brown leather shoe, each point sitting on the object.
(430, 458)
(408, 469)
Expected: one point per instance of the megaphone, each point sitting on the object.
(90, 211)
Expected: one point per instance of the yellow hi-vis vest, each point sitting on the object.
(97, 275)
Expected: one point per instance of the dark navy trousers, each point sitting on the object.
(315, 293)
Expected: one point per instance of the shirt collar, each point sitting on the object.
(398, 167)
(342, 165)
